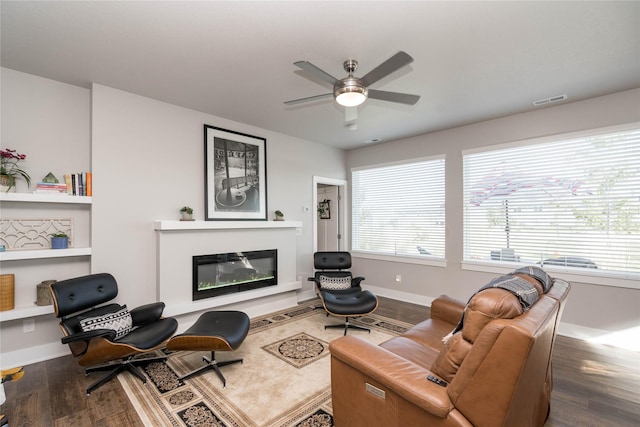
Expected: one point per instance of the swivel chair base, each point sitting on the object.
(129, 364)
(348, 326)
(212, 364)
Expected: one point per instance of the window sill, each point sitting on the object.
(407, 259)
(571, 275)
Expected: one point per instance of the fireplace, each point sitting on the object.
(233, 272)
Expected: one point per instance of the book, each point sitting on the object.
(89, 187)
(67, 180)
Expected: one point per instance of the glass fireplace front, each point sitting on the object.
(222, 274)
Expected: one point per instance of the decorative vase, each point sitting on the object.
(43, 294)
(186, 216)
(59, 242)
(5, 184)
(7, 292)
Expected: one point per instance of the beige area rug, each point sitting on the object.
(283, 381)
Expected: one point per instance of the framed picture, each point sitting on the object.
(235, 166)
(324, 211)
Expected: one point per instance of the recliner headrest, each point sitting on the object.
(485, 306)
(77, 294)
(332, 260)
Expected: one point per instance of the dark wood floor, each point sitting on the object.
(594, 385)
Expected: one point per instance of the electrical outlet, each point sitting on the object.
(28, 325)
(398, 278)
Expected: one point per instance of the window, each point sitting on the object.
(398, 209)
(573, 203)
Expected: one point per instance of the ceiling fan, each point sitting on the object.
(352, 91)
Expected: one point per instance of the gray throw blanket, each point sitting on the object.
(525, 291)
(527, 294)
(539, 274)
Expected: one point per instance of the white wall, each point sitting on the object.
(147, 160)
(591, 309)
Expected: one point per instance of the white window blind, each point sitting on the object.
(573, 202)
(399, 209)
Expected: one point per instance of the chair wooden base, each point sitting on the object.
(212, 364)
(129, 364)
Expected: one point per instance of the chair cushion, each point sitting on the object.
(120, 321)
(335, 283)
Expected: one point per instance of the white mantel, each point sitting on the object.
(178, 241)
(164, 225)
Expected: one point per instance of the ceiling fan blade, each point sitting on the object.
(315, 71)
(392, 64)
(308, 98)
(402, 98)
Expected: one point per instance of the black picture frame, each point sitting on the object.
(324, 209)
(235, 166)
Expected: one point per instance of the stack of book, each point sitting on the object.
(50, 187)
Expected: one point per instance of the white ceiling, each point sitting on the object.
(472, 60)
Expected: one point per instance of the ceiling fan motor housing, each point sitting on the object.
(350, 91)
(349, 85)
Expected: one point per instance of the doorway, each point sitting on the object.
(329, 200)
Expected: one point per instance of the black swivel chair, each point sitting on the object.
(108, 337)
(339, 291)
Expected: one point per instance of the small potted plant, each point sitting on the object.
(279, 216)
(187, 213)
(59, 240)
(9, 169)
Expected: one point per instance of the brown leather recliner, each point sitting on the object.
(496, 369)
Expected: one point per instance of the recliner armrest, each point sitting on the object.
(447, 309)
(147, 313)
(400, 375)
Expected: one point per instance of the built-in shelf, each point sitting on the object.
(43, 253)
(22, 312)
(44, 198)
(164, 225)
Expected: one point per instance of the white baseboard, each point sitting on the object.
(28, 356)
(306, 295)
(401, 296)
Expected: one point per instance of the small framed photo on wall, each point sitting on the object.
(324, 209)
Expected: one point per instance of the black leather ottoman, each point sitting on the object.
(213, 331)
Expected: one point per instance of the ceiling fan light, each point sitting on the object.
(350, 93)
(350, 99)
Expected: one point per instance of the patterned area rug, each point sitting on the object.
(283, 381)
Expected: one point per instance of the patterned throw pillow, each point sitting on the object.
(119, 321)
(335, 283)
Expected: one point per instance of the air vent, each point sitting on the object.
(550, 100)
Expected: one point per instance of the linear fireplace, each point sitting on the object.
(222, 274)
